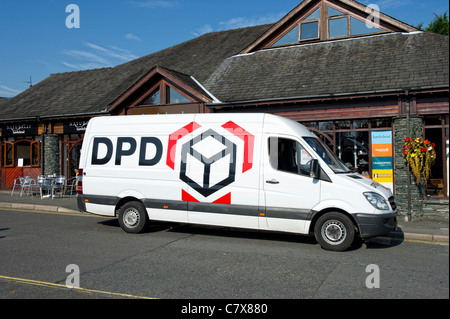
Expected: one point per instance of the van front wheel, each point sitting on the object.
(334, 231)
(133, 217)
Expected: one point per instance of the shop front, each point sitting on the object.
(20, 152)
(367, 134)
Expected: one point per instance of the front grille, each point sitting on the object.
(393, 203)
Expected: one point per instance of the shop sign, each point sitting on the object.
(75, 126)
(382, 158)
(19, 130)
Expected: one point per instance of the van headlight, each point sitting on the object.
(377, 201)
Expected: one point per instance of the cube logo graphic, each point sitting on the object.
(213, 154)
(209, 159)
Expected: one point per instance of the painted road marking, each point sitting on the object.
(53, 285)
(53, 213)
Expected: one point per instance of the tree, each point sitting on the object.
(439, 25)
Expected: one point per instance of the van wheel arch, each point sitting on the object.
(125, 200)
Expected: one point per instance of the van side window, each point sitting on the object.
(289, 156)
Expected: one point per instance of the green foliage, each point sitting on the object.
(439, 25)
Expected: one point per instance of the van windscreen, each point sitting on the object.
(327, 155)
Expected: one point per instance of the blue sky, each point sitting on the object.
(35, 41)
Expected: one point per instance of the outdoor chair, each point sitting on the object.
(28, 186)
(59, 185)
(44, 184)
(70, 186)
(18, 182)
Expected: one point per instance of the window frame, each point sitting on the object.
(298, 147)
(164, 88)
(11, 147)
(307, 21)
(323, 25)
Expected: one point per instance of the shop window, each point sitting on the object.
(353, 150)
(22, 153)
(350, 140)
(381, 123)
(437, 132)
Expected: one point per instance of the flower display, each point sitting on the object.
(420, 155)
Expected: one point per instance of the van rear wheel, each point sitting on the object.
(334, 231)
(133, 217)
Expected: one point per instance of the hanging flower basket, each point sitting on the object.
(420, 155)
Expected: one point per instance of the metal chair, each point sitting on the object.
(28, 186)
(59, 184)
(44, 184)
(70, 185)
(18, 182)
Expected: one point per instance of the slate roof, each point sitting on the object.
(372, 63)
(3, 100)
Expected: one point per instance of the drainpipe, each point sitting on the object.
(408, 131)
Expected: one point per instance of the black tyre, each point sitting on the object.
(334, 231)
(133, 217)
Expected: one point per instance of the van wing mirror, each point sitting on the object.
(314, 171)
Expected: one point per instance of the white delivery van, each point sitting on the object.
(255, 171)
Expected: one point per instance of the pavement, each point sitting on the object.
(434, 229)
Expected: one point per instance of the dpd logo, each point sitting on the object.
(209, 159)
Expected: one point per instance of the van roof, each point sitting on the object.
(274, 123)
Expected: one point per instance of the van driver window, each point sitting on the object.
(289, 156)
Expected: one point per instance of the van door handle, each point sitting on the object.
(273, 181)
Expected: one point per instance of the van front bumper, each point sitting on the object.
(373, 225)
